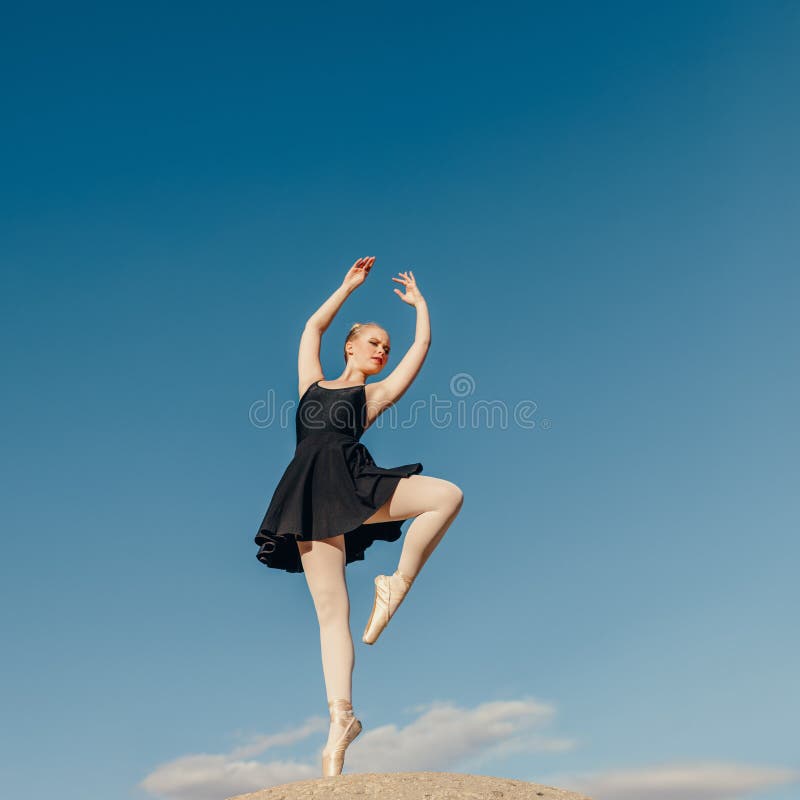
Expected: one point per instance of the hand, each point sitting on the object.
(357, 274)
(413, 294)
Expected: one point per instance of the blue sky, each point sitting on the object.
(599, 203)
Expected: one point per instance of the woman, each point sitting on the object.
(333, 501)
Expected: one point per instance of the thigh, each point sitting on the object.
(414, 495)
(323, 565)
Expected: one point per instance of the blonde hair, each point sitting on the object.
(354, 331)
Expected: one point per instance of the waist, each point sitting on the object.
(326, 433)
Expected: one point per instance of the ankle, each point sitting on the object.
(340, 708)
(406, 579)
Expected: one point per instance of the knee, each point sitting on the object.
(331, 607)
(454, 496)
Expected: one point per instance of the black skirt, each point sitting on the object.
(330, 486)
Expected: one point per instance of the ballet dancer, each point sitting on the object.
(333, 501)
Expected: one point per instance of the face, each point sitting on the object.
(370, 349)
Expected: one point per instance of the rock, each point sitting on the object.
(411, 786)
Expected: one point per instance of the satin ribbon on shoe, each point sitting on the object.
(381, 606)
(341, 714)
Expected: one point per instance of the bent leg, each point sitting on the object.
(324, 568)
(434, 502)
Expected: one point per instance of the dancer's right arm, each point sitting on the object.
(309, 367)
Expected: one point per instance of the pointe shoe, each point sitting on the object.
(384, 593)
(341, 713)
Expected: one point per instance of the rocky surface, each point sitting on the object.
(412, 786)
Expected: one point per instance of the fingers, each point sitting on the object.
(367, 262)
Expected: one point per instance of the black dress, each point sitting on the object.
(331, 485)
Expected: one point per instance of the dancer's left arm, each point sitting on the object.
(388, 391)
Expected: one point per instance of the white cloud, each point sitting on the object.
(445, 735)
(211, 777)
(678, 781)
(439, 739)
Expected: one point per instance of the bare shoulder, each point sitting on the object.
(376, 393)
(379, 396)
(304, 384)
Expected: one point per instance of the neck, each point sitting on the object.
(352, 375)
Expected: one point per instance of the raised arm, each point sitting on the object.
(388, 391)
(309, 366)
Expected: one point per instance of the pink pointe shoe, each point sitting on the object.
(387, 591)
(341, 713)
